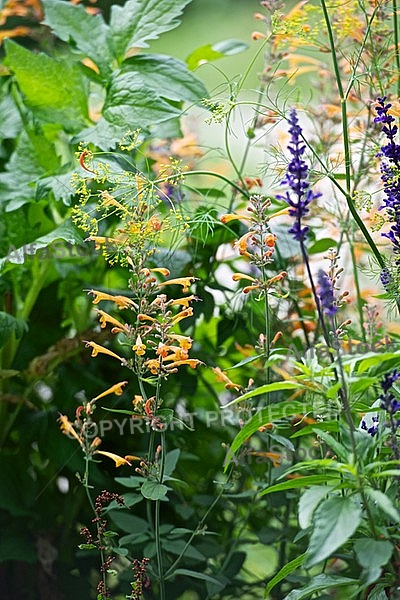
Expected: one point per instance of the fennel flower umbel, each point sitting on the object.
(299, 195)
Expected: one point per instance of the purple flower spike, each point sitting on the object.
(390, 173)
(299, 196)
(326, 295)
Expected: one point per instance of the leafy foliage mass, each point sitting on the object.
(199, 351)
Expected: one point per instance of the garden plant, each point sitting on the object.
(199, 349)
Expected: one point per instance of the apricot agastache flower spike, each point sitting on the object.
(299, 196)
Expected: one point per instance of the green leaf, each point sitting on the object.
(320, 583)
(86, 546)
(211, 52)
(384, 503)
(59, 185)
(299, 482)
(266, 389)
(153, 490)
(338, 448)
(284, 572)
(167, 76)
(372, 553)
(315, 428)
(321, 246)
(266, 415)
(335, 521)
(138, 21)
(171, 460)
(10, 325)
(42, 245)
(89, 32)
(309, 502)
(376, 359)
(195, 575)
(130, 105)
(127, 522)
(55, 90)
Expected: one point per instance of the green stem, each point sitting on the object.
(161, 575)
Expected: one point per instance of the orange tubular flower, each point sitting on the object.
(192, 362)
(97, 349)
(221, 376)
(241, 243)
(239, 276)
(153, 365)
(188, 312)
(232, 217)
(114, 389)
(183, 301)
(139, 348)
(184, 341)
(106, 318)
(67, 428)
(119, 461)
(185, 282)
(120, 301)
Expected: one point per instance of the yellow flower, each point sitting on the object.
(100, 349)
(146, 272)
(221, 376)
(114, 389)
(239, 276)
(184, 341)
(185, 282)
(138, 402)
(120, 301)
(106, 318)
(182, 301)
(119, 461)
(241, 244)
(188, 312)
(139, 348)
(232, 217)
(192, 362)
(153, 365)
(67, 428)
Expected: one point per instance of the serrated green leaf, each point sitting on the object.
(41, 246)
(299, 482)
(153, 490)
(372, 553)
(55, 90)
(59, 185)
(284, 572)
(89, 32)
(167, 76)
(335, 521)
(130, 105)
(309, 501)
(138, 21)
(319, 583)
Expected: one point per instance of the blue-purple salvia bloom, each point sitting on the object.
(299, 196)
(391, 405)
(325, 293)
(390, 174)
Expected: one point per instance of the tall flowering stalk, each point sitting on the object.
(390, 175)
(299, 196)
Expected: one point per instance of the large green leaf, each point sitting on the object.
(384, 503)
(137, 21)
(166, 76)
(269, 414)
(55, 90)
(88, 32)
(372, 553)
(320, 583)
(276, 386)
(335, 521)
(309, 502)
(299, 482)
(130, 105)
(66, 232)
